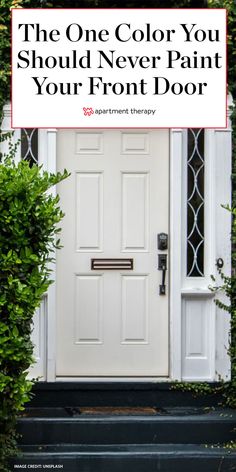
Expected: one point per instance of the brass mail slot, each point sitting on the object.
(112, 264)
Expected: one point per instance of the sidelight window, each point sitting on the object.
(29, 145)
(195, 203)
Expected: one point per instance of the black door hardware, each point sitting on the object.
(219, 263)
(162, 241)
(162, 265)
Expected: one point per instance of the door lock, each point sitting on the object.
(162, 241)
(162, 265)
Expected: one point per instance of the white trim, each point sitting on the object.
(223, 245)
(209, 200)
(39, 338)
(115, 379)
(176, 153)
(42, 148)
(51, 150)
(197, 292)
(223, 153)
(6, 128)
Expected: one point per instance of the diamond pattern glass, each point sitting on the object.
(195, 203)
(29, 145)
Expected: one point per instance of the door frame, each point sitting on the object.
(183, 291)
(48, 147)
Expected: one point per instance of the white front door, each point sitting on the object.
(111, 320)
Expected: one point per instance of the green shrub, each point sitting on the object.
(29, 217)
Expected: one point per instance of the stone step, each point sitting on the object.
(127, 457)
(198, 426)
(114, 393)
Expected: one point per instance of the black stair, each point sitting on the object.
(142, 438)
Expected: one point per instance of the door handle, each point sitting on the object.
(162, 265)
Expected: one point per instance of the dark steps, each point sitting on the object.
(145, 458)
(213, 426)
(157, 394)
(175, 433)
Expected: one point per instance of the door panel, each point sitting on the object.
(112, 322)
(135, 207)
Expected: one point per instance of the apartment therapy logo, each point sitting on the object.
(132, 58)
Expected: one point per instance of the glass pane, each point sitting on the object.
(29, 145)
(195, 203)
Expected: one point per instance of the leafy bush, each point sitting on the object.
(29, 216)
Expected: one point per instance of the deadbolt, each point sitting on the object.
(162, 241)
